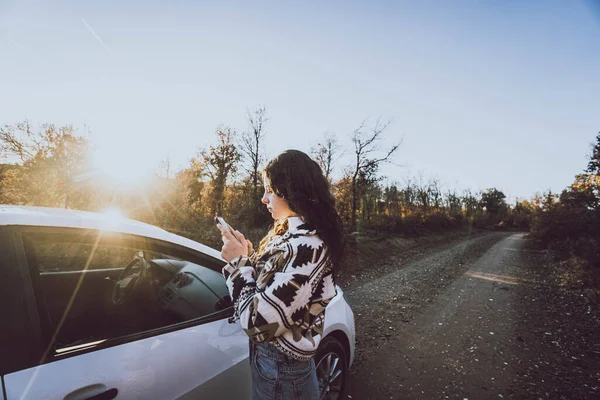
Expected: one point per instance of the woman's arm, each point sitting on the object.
(288, 285)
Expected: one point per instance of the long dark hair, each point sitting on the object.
(298, 179)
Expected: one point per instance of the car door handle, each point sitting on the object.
(108, 395)
(92, 392)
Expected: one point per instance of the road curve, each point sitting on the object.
(441, 327)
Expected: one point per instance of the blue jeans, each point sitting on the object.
(277, 376)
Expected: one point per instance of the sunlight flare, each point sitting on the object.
(121, 168)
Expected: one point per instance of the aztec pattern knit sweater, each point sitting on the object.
(281, 298)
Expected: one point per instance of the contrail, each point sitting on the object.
(97, 37)
(18, 44)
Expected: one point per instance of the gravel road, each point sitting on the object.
(454, 323)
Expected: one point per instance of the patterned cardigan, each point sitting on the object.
(281, 298)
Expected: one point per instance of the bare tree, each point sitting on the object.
(435, 193)
(21, 141)
(251, 148)
(164, 167)
(423, 195)
(366, 162)
(326, 153)
(219, 163)
(409, 196)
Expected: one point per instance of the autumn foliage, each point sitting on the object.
(569, 223)
(49, 166)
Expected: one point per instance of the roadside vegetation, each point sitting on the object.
(568, 225)
(48, 165)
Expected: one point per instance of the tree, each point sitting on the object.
(326, 153)
(6, 174)
(493, 201)
(471, 203)
(219, 163)
(423, 198)
(409, 197)
(391, 196)
(454, 203)
(251, 147)
(370, 200)
(591, 176)
(435, 193)
(342, 192)
(570, 223)
(165, 169)
(522, 214)
(48, 158)
(594, 163)
(366, 164)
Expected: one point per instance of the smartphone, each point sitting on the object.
(228, 228)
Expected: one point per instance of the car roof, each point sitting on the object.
(65, 218)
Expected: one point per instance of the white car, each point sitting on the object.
(97, 307)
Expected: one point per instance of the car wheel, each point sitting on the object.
(332, 369)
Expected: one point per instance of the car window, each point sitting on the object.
(67, 256)
(96, 289)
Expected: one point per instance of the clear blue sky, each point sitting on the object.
(485, 93)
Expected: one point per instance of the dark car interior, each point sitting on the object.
(92, 289)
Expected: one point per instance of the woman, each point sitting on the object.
(280, 292)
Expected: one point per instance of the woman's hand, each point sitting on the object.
(232, 248)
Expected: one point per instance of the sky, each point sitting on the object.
(481, 93)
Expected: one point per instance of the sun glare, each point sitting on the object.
(124, 169)
(113, 213)
(111, 218)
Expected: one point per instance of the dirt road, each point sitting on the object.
(460, 323)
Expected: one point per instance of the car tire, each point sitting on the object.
(331, 362)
